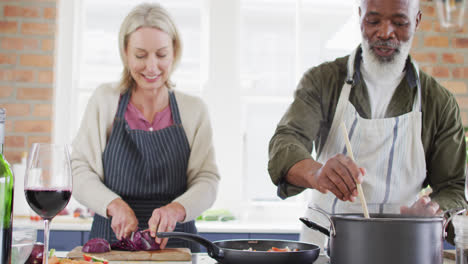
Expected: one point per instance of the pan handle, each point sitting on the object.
(320, 210)
(213, 250)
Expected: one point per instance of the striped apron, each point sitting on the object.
(148, 169)
(391, 151)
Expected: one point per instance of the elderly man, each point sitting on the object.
(405, 129)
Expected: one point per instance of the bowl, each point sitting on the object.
(22, 244)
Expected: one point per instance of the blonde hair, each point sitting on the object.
(147, 15)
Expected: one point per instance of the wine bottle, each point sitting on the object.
(6, 198)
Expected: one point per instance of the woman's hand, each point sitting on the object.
(124, 221)
(422, 207)
(164, 219)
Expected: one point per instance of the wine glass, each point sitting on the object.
(48, 183)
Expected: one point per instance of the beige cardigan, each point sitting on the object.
(89, 144)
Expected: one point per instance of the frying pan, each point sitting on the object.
(234, 251)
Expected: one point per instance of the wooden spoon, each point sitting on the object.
(358, 185)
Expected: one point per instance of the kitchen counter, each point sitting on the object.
(203, 258)
(67, 223)
(68, 232)
(234, 226)
(197, 258)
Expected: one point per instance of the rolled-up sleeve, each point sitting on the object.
(294, 137)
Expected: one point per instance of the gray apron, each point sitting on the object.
(148, 169)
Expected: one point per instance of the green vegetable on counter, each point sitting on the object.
(216, 215)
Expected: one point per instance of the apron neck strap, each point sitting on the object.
(351, 71)
(122, 108)
(123, 104)
(174, 108)
(417, 101)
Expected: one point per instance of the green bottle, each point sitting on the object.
(6, 198)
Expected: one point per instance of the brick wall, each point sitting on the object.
(26, 72)
(443, 54)
(26, 66)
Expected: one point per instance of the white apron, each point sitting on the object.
(391, 151)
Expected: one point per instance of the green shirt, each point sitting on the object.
(308, 120)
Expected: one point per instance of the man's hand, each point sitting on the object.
(338, 175)
(124, 221)
(422, 207)
(164, 219)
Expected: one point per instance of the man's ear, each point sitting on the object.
(418, 18)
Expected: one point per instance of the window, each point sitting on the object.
(97, 59)
(243, 57)
(280, 40)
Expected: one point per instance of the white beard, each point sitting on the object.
(385, 70)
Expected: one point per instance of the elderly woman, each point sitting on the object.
(143, 157)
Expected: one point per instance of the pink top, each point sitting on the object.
(136, 120)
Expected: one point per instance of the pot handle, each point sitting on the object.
(452, 213)
(315, 226)
(213, 250)
(320, 210)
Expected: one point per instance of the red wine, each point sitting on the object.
(5, 245)
(47, 202)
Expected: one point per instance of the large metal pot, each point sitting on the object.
(383, 238)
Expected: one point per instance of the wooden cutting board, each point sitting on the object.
(171, 254)
(449, 254)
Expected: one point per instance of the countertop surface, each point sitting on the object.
(233, 226)
(197, 258)
(203, 258)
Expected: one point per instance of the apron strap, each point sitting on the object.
(123, 105)
(174, 108)
(172, 103)
(344, 95)
(350, 78)
(417, 102)
(350, 67)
